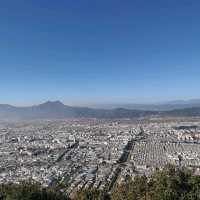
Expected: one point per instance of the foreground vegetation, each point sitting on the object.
(167, 184)
(28, 191)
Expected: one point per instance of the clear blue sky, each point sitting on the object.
(83, 51)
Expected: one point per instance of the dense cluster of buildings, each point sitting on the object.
(90, 153)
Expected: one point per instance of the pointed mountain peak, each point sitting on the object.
(53, 103)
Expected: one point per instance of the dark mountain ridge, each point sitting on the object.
(57, 110)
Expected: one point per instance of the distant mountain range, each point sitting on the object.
(57, 110)
(170, 105)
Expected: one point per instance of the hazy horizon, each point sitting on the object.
(104, 103)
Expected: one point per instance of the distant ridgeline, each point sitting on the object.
(57, 110)
(171, 183)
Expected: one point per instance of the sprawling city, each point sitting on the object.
(85, 153)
